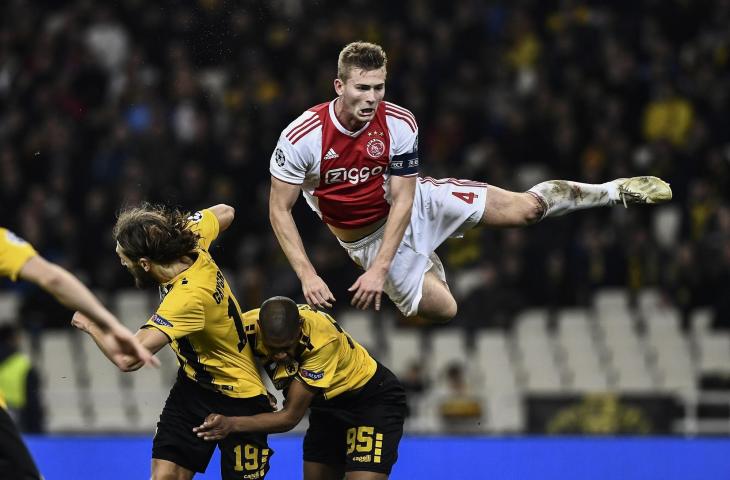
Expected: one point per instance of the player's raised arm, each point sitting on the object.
(282, 198)
(369, 286)
(224, 213)
(69, 291)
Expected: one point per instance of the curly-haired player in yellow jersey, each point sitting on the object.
(201, 320)
(357, 406)
(20, 261)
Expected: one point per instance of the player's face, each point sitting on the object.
(360, 95)
(281, 351)
(142, 278)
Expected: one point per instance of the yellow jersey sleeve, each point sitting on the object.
(335, 362)
(318, 370)
(205, 224)
(14, 253)
(181, 313)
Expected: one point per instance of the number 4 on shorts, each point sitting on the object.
(467, 197)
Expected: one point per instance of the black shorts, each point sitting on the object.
(360, 430)
(243, 455)
(15, 460)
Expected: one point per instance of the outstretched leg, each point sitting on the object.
(559, 197)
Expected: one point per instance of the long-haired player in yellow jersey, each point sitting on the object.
(20, 261)
(357, 406)
(201, 320)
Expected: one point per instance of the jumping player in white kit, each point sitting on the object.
(355, 159)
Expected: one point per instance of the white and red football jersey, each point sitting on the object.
(345, 175)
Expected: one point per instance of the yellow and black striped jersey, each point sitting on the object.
(14, 253)
(200, 315)
(327, 357)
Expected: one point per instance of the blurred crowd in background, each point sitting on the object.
(108, 104)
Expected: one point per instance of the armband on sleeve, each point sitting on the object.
(404, 165)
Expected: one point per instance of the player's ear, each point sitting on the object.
(145, 263)
(339, 86)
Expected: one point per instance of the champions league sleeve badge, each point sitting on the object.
(279, 157)
(196, 217)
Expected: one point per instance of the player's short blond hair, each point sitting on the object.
(364, 55)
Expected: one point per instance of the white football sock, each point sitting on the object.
(564, 196)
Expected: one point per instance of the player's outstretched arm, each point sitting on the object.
(68, 290)
(224, 213)
(282, 198)
(368, 288)
(150, 339)
(216, 426)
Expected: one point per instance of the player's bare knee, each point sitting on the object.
(444, 314)
(450, 312)
(447, 315)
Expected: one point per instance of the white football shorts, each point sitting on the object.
(442, 208)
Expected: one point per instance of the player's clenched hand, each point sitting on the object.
(368, 289)
(215, 427)
(316, 292)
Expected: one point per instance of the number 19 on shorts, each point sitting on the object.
(250, 459)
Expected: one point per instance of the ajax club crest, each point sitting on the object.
(375, 148)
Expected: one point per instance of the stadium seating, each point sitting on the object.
(626, 362)
(610, 347)
(714, 353)
(537, 367)
(448, 346)
(404, 346)
(497, 379)
(9, 303)
(133, 307)
(581, 354)
(360, 326)
(670, 350)
(110, 402)
(67, 406)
